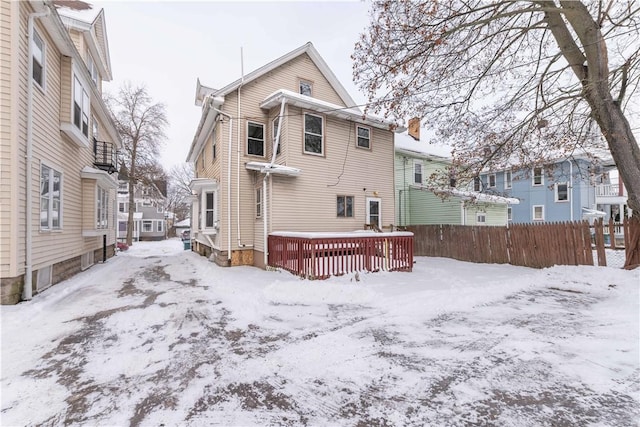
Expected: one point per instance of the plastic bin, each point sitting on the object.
(186, 244)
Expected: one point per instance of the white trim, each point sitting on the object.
(533, 213)
(555, 192)
(368, 129)
(495, 180)
(52, 170)
(533, 176)
(367, 217)
(508, 183)
(418, 163)
(304, 133)
(264, 134)
(42, 86)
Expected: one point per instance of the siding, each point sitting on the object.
(495, 214)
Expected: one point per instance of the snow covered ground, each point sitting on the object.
(161, 336)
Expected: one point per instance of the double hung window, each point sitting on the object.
(38, 58)
(50, 198)
(255, 139)
(80, 107)
(344, 206)
(313, 134)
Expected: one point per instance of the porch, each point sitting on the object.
(320, 255)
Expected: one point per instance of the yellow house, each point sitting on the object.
(286, 149)
(57, 144)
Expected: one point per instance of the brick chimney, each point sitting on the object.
(414, 128)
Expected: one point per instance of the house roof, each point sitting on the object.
(352, 114)
(469, 195)
(308, 48)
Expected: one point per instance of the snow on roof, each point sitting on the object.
(84, 15)
(275, 169)
(184, 223)
(426, 145)
(470, 195)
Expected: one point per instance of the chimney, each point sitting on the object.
(414, 128)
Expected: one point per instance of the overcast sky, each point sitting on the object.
(168, 45)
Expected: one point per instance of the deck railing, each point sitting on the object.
(320, 255)
(610, 190)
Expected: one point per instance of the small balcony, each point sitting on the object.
(106, 156)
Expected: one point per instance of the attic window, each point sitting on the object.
(305, 88)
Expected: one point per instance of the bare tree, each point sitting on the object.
(510, 81)
(141, 124)
(179, 193)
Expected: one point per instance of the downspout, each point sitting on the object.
(228, 182)
(571, 189)
(265, 231)
(239, 152)
(27, 291)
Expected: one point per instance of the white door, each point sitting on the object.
(374, 211)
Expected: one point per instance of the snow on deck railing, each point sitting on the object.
(320, 255)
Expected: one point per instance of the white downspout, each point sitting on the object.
(571, 189)
(27, 291)
(228, 181)
(267, 204)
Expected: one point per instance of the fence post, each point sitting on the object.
(612, 234)
(598, 227)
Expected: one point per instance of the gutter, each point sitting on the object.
(27, 289)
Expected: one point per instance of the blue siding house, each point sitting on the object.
(568, 190)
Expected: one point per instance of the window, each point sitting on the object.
(147, 226)
(209, 209)
(80, 107)
(538, 212)
(538, 177)
(38, 61)
(562, 192)
(492, 180)
(275, 124)
(50, 199)
(93, 69)
(258, 202)
(313, 140)
(255, 139)
(159, 227)
(122, 207)
(417, 172)
(509, 213)
(481, 217)
(364, 137)
(477, 184)
(86, 260)
(305, 88)
(214, 151)
(102, 209)
(507, 180)
(344, 206)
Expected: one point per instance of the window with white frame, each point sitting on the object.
(159, 227)
(255, 139)
(93, 69)
(477, 183)
(313, 134)
(50, 198)
(364, 137)
(102, 209)
(481, 217)
(214, 150)
(537, 177)
(258, 202)
(305, 88)
(492, 180)
(417, 172)
(275, 125)
(344, 206)
(509, 213)
(38, 58)
(122, 207)
(508, 182)
(209, 207)
(147, 226)
(538, 212)
(562, 192)
(81, 107)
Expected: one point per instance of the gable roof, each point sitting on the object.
(308, 48)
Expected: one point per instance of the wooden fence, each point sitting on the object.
(529, 245)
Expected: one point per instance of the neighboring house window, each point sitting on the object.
(481, 217)
(102, 209)
(80, 107)
(258, 202)
(562, 192)
(209, 209)
(313, 139)
(214, 152)
(417, 172)
(538, 177)
(477, 184)
(305, 88)
(508, 183)
(38, 58)
(509, 213)
(122, 207)
(93, 69)
(538, 212)
(492, 180)
(147, 226)
(159, 229)
(50, 198)
(364, 137)
(255, 139)
(275, 124)
(344, 206)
